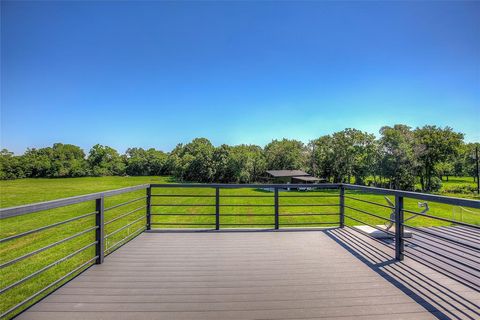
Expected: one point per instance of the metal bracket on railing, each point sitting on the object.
(390, 224)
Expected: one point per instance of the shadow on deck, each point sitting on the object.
(259, 275)
(430, 281)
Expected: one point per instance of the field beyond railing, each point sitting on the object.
(44, 245)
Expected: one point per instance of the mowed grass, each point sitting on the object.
(171, 208)
(454, 185)
(24, 191)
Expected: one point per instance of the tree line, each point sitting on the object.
(398, 159)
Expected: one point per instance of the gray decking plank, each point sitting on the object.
(254, 275)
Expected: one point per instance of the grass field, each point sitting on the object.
(294, 206)
(459, 187)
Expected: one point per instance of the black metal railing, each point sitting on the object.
(219, 207)
(213, 206)
(92, 230)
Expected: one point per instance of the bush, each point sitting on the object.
(461, 189)
(435, 184)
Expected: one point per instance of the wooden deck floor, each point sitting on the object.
(329, 274)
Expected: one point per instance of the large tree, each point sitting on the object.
(141, 162)
(285, 154)
(397, 156)
(193, 161)
(345, 154)
(105, 161)
(60, 160)
(11, 166)
(434, 145)
(246, 163)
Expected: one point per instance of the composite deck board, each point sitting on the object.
(323, 274)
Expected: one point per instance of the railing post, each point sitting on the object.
(149, 208)
(217, 208)
(100, 231)
(277, 220)
(399, 244)
(342, 206)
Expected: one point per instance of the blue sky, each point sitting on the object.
(153, 74)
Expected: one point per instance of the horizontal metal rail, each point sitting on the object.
(125, 226)
(125, 215)
(307, 214)
(182, 214)
(442, 219)
(416, 195)
(184, 195)
(15, 211)
(248, 224)
(309, 205)
(47, 227)
(246, 205)
(370, 202)
(182, 205)
(6, 264)
(47, 267)
(41, 206)
(369, 213)
(124, 203)
(309, 223)
(246, 186)
(142, 228)
(309, 196)
(247, 215)
(38, 293)
(245, 196)
(182, 224)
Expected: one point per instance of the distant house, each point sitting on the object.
(291, 176)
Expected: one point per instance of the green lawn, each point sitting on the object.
(459, 187)
(25, 191)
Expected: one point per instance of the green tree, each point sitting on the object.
(136, 162)
(11, 166)
(105, 161)
(60, 160)
(156, 162)
(193, 161)
(67, 160)
(445, 169)
(285, 155)
(246, 163)
(322, 157)
(432, 146)
(468, 159)
(397, 156)
(345, 154)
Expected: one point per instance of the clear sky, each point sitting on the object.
(153, 74)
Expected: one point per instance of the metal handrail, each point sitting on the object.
(6, 264)
(47, 227)
(49, 266)
(124, 203)
(41, 206)
(38, 293)
(274, 224)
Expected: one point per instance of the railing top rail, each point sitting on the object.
(417, 195)
(244, 185)
(35, 207)
(41, 206)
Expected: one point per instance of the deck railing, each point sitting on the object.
(105, 221)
